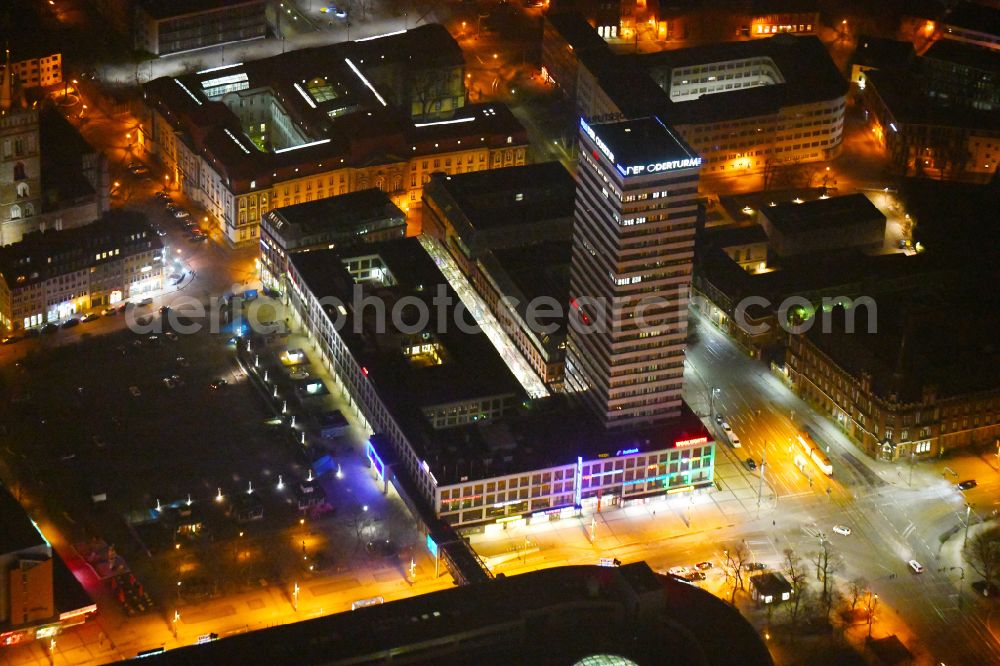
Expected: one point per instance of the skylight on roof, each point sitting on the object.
(302, 145)
(237, 142)
(216, 69)
(306, 97)
(190, 94)
(365, 81)
(453, 121)
(222, 80)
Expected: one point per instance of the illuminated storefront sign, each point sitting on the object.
(656, 167)
(597, 140)
(627, 452)
(432, 546)
(690, 442)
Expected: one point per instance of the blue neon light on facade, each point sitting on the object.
(375, 460)
(578, 485)
(432, 546)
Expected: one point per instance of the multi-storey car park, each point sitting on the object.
(742, 106)
(244, 138)
(453, 430)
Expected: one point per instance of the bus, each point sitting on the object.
(812, 451)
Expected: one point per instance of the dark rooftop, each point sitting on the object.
(19, 532)
(573, 27)
(809, 216)
(771, 583)
(63, 150)
(642, 141)
(548, 432)
(731, 235)
(528, 618)
(882, 53)
(351, 212)
(945, 339)
(42, 254)
(903, 94)
(511, 196)
(974, 16)
(470, 366)
(963, 53)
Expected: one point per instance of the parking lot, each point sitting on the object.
(204, 485)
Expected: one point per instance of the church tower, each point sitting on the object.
(20, 161)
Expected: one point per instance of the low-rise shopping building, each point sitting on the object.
(450, 418)
(50, 275)
(363, 216)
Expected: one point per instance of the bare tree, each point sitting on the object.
(857, 589)
(796, 574)
(982, 552)
(826, 565)
(736, 558)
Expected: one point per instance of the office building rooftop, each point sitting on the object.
(642, 142)
(354, 213)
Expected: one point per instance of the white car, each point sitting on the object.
(678, 571)
(735, 441)
(842, 530)
(916, 566)
(180, 214)
(725, 427)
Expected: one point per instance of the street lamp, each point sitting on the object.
(968, 513)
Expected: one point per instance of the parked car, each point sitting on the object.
(678, 571)
(218, 383)
(703, 566)
(93, 316)
(842, 530)
(755, 566)
(146, 301)
(9, 340)
(70, 323)
(751, 464)
(32, 333)
(726, 427)
(916, 566)
(695, 576)
(109, 311)
(49, 328)
(168, 382)
(162, 196)
(180, 213)
(719, 418)
(134, 390)
(171, 207)
(138, 169)
(968, 484)
(198, 239)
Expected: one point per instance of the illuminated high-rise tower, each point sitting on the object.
(633, 245)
